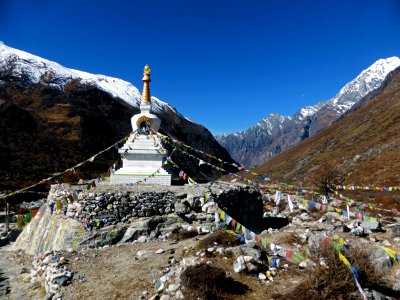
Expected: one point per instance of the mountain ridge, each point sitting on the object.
(256, 144)
(364, 144)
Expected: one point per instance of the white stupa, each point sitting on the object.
(142, 154)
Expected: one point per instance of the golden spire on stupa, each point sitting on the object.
(146, 85)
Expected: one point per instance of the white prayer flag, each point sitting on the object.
(290, 203)
(278, 197)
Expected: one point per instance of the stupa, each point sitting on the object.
(142, 154)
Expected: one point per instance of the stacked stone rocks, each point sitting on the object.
(48, 270)
(103, 209)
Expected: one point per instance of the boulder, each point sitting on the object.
(245, 250)
(315, 240)
(181, 208)
(396, 231)
(371, 225)
(380, 259)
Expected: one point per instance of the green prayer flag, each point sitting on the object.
(297, 257)
(264, 243)
(238, 225)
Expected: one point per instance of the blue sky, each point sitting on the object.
(225, 64)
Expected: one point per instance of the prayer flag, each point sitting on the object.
(264, 243)
(297, 257)
(238, 225)
(344, 260)
(290, 203)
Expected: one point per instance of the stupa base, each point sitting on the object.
(161, 179)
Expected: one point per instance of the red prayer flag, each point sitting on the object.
(289, 255)
(258, 239)
(233, 224)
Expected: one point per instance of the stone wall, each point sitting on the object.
(107, 215)
(110, 208)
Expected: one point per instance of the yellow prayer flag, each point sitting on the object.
(344, 260)
(222, 215)
(391, 253)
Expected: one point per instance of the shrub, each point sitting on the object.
(336, 281)
(20, 222)
(203, 281)
(327, 175)
(27, 217)
(181, 234)
(221, 237)
(292, 239)
(369, 275)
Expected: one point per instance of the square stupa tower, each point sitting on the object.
(142, 154)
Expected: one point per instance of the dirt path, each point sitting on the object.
(117, 272)
(14, 276)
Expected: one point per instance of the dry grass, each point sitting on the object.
(335, 280)
(292, 239)
(369, 276)
(220, 237)
(205, 281)
(181, 234)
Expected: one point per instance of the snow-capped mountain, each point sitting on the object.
(52, 117)
(275, 133)
(33, 69)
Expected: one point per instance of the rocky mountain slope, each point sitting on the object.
(52, 117)
(276, 133)
(364, 144)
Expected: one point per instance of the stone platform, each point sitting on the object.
(162, 179)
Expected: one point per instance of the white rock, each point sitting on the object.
(46, 260)
(159, 251)
(164, 278)
(173, 287)
(220, 250)
(142, 239)
(303, 264)
(211, 249)
(179, 295)
(144, 253)
(189, 261)
(159, 286)
(247, 258)
(262, 276)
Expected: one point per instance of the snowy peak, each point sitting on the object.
(35, 69)
(275, 133)
(367, 81)
(271, 123)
